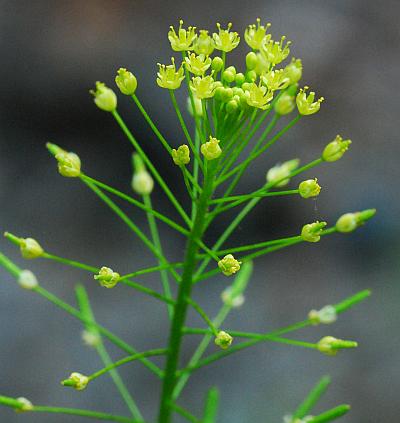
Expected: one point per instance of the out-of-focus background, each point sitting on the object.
(52, 52)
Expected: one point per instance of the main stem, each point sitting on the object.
(185, 287)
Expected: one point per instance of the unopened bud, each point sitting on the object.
(223, 340)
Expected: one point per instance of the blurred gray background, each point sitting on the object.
(52, 52)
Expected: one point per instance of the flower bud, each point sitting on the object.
(142, 182)
(126, 81)
(312, 231)
(217, 64)
(30, 248)
(330, 345)
(223, 340)
(211, 149)
(285, 104)
(77, 381)
(279, 174)
(294, 70)
(25, 405)
(234, 302)
(107, 277)
(232, 106)
(228, 76)
(239, 79)
(90, 338)
(335, 149)
(251, 76)
(326, 315)
(69, 164)
(27, 280)
(347, 222)
(181, 156)
(309, 188)
(104, 97)
(198, 107)
(229, 265)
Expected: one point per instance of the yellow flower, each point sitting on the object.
(229, 265)
(306, 104)
(169, 77)
(197, 65)
(223, 340)
(255, 35)
(211, 149)
(258, 96)
(104, 97)
(69, 164)
(203, 87)
(309, 188)
(183, 40)
(226, 40)
(312, 231)
(335, 149)
(107, 277)
(181, 156)
(126, 81)
(203, 44)
(275, 80)
(274, 51)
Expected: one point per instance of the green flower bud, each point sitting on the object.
(27, 280)
(309, 188)
(203, 44)
(142, 182)
(312, 231)
(69, 164)
(239, 79)
(347, 223)
(181, 156)
(335, 149)
(107, 277)
(25, 405)
(279, 174)
(77, 381)
(226, 40)
(126, 81)
(326, 315)
(229, 265)
(285, 104)
(104, 97)
(30, 248)
(228, 76)
(232, 106)
(183, 40)
(217, 64)
(211, 149)
(251, 60)
(306, 104)
(330, 345)
(251, 76)
(294, 70)
(223, 340)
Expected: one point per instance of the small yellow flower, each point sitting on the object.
(203, 44)
(203, 87)
(275, 52)
(69, 164)
(30, 248)
(197, 65)
(255, 35)
(229, 265)
(225, 40)
(126, 81)
(335, 149)
(275, 80)
(312, 231)
(169, 77)
(183, 40)
(107, 277)
(77, 381)
(279, 174)
(294, 70)
(223, 340)
(258, 96)
(306, 104)
(211, 149)
(104, 97)
(309, 188)
(181, 156)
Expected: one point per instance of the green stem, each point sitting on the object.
(157, 243)
(184, 413)
(185, 287)
(86, 310)
(151, 270)
(151, 167)
(203, 314)
(68, 262)
(250, 196)
(331, 415)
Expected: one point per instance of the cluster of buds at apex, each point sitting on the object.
(203, 44)
(256, 35)
(325, 316)
(294, 70)
(335, 149)
(183, 40)
(104, 97)
(225, 40)
(77, 381)
(107, 277)
(350, 221)
(126, 81)
(330, 345)
(27, 280)
(306, 104)
(309, 188)
(197, 65)
(279, 174)
(211, 149)
(29, 247)
(284, 104)
(229, 265)
(168, 77)
(312, 231)
(25, 405)
(90, 338)
(223, 340)
(181, 156)
(142, 182)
